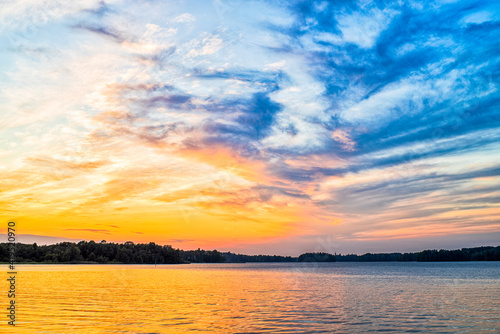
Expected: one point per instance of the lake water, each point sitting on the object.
(255, 298)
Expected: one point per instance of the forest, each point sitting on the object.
(486, 253)
(317, 257)
(151, 253)
(104, 252)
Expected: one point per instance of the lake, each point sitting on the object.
(387, 297)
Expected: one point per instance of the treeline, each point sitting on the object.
(103, 252)
(232, 257)
(130, 253)
(202, 256)
(317, 257)
(486, 253)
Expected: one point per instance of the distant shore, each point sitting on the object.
(129, 253)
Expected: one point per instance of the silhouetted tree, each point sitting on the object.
(67, 252)
(316, 257)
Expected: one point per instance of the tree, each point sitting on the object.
(316, 257)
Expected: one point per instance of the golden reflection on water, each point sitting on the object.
(244, 298)
(96, 299)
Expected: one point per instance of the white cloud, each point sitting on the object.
(28, 15)
(477, 18)
(184, 18)
(210, 44)
(364, 30)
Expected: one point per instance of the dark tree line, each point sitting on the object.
(232, 257)
(103, 252)
(130, 253)
(487, 253)
(317, 257)
(465, 254)
(200, 255)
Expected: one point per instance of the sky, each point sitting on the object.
(273, 127)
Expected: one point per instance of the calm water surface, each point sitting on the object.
(255, 298)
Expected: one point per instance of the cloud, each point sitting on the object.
(102, 31)
(40, 239)
(89, 230)
(208, 45)
(363, 30)
(251, 119)
(184, 18)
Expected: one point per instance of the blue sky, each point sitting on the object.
(290, 126)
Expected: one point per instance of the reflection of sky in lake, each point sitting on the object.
(343, 297)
